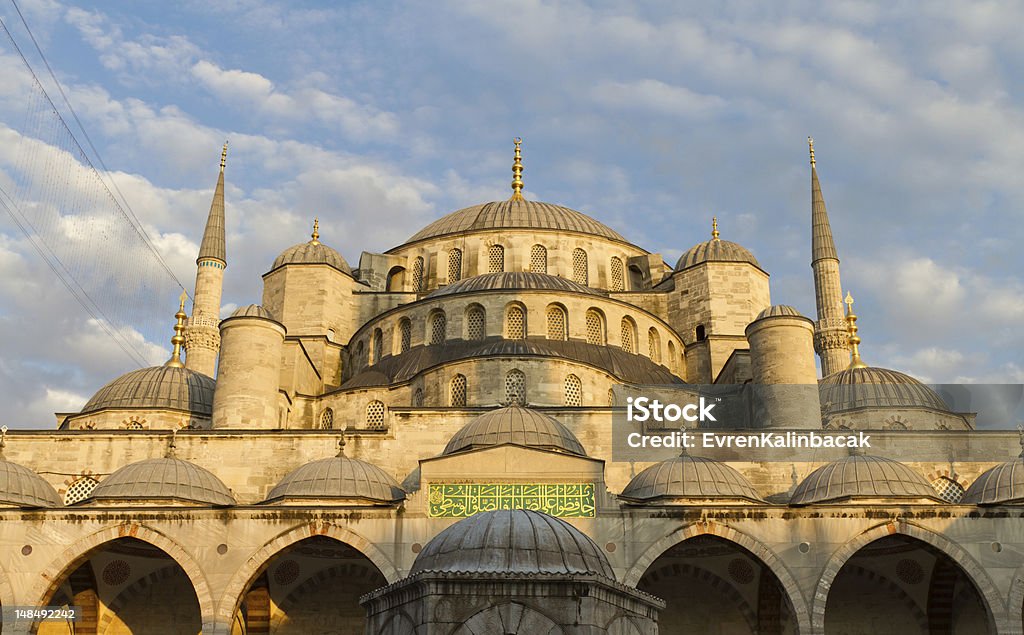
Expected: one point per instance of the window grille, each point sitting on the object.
(454, 265)
(557, 324)
(515, 323)
(573, 391)
(611, 396)
(595, 328)
(618, 282)
(375, 415)
(515, 387)
(539, 259)
(475, 324)
(654, 345)
(80, 490)
(458, 391)
(948, 489)
(496, 259)
(327, 419)
(417, 274)
(405, 335)
(579, 267)
(438, 328)
(417, 398)
(627, 336)
(135, 425)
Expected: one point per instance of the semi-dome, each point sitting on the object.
(512, 541)
(21, 487)
(517, 426)
(169, 387)
(689, 477)
(872, 387)
(340, 478)
(1000, 485)
(253, 310)
(778, 310)
(166, 478)
(511, 214)
(519, 280)
(861, 476)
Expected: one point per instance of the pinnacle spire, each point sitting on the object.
(517, 172)
(822, 244)
(213, 246)
(178, 339)
(315, 236)
(714, 228)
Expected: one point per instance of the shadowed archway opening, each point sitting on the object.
(714, 586)
(312, 586)
(126, 586)
(899, 584)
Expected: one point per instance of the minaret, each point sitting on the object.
(202, 337)
(831, 337)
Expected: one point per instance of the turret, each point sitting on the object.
(782, 364)
(831, 339)
(202, 339)
(250, 370)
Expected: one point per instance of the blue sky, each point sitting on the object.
(380, 117)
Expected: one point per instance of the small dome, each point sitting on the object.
(312, 253)
(161, 479)
(338, 477)
(253, 310)
(1002, 484)
(512, 541)
(862, 476)
(690, 477)
(872, 387)
(520, 281)
(157, 387)
(21, 487)
(777, 310)
(517, 426)
(716, 250)
(515, 215)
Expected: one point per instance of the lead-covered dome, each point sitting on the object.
(519, 281)
(512, 541)
(253, 310)
(338, 478)
(871, 387)
(515, 215)
(689, 478)
(167, 387)
(311, 253)
(21, 487)
(778, 310)
(163, 479)
(1000, 485)
(860, 477)
(716, 250)
(515, 425)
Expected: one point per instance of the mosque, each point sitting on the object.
(424, 444)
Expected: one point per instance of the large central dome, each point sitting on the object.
(516, 215)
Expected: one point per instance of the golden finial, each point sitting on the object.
(851, 321)
(341, 444)
(178, 339)
(316, 231)
(224, 156)
(810, 144)
(714, 228)
(517, 172)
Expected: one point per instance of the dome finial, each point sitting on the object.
(810, 145)
(316, 231)
(714, 228)
(517, 172)
(178, 339)
(3, 441)
(851, 322)
(224, 156)
(171, 444)
(341, 444)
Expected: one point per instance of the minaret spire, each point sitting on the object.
(831, 336)
(517, 172)
(202, 337)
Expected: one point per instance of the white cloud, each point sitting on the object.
(659, 97)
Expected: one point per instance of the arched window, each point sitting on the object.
(515, 388)
(700, 333)
(327, 419)
(495, 259)
(135, 425)
(378, 346)
(438, 327)
(618, 278)
(557, 323)
(476, 320)
(458, 391)
(515, 323)
(375, 415)
(417, 398)
(573, 391)
(79, 490)
(404, 335)
(654, 345)
(360, 354)
(539, 259)
(417, 274)
(595, 328)
(454, 265)
(579, 267)
(611, 396)
(396, 279)
(672, 356)
(628, 335)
